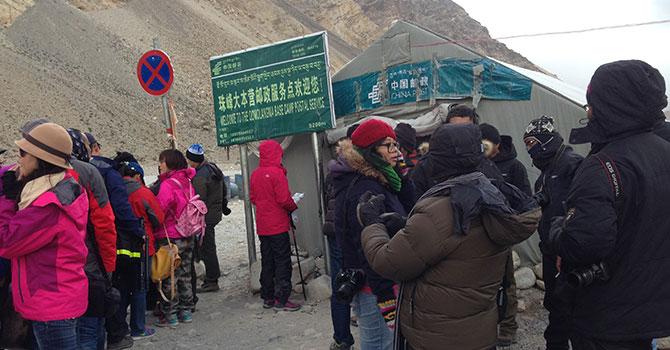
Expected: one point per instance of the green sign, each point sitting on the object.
(271, 91)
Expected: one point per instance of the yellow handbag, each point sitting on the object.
(163, 264)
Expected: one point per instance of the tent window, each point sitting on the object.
(396, 49)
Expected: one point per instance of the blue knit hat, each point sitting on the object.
(135, 167)
(196, 153)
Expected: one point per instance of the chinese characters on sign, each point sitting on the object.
(272, 91)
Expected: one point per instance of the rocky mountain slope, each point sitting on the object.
(74, 61)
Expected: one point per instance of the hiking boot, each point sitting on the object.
(185, 316)
(340, 346)
(268, 304)
(170, 321)
(125, 343)
(287, 306)
(147, 333)
(208, 287)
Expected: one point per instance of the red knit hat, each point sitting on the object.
(371, 131)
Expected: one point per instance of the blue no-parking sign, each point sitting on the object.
(154, 71)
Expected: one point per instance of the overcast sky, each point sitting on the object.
(574, 57)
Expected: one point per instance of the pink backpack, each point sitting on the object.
(192, 219)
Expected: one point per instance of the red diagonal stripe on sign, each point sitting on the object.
(154, 72)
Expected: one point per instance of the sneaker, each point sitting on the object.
(170, 321)
(288, 306)
(208, 287)
(147, 333)
(185, 316)
(340, 346)
(125, 343)
(268, 304)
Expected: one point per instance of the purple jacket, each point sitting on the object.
(45, 242)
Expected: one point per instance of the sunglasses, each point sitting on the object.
(22, 153)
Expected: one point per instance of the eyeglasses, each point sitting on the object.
(22, 153)
(391, 146)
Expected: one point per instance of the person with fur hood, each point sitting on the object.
(368, 164)
(450, 256)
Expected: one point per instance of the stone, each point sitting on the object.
(539, 284)
(321, 264)
(255, 277)
(663, 343)
(525, 278)
(521, 305)
(318, 289)
(516, 260)
(538, 271)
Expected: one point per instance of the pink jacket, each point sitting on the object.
(269, 192)
(173, 199)
(45, 242)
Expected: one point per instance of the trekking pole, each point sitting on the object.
(297, 255)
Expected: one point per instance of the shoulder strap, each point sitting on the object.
(614, 179)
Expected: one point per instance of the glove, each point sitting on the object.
(551, 246)
(394, 222)
(226, 211)
(11, 186)
(388, 310)
(369, 209)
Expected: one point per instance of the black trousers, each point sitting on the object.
(276, 267)
(207, 253)
(558, 330)
(581, 343)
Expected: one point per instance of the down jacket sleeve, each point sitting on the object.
(423, 242)
(282, 193)
(591, 222)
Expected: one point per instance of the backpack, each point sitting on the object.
(191, 221)
(163, 264)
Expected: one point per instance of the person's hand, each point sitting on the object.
(558, 264)
(555, 232)
(369, 209)
(11, 186)
(394, 222)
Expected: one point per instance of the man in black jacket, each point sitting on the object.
(558, 164)
(208, 184)
(500, 149)
(617, 216)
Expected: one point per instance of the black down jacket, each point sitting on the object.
(513, 171)
(618, 208)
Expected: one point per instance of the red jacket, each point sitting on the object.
(145, 205)
(270, 193)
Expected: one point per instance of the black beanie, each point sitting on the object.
(406, 136)
(489, 132)
(455, 149)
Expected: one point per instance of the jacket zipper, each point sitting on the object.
(18, 268)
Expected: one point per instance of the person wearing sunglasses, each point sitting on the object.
(558, 164)
(368, 165)
(43, 215)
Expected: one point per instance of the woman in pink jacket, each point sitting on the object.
(43, 214)
(173, 195)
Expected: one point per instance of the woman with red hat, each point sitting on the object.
(43, 215)
(368, 165)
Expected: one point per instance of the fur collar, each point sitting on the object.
(356, 161)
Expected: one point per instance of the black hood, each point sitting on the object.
(455, 150)
(626, 98)
(507, 151)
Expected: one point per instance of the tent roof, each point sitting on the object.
(424, 44)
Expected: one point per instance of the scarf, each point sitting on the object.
(380, 164)
(35, 188)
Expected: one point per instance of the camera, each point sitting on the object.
(348, 283)
(585, 276)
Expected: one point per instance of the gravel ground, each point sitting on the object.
(234, 319)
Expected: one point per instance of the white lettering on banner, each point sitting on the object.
(374, 95)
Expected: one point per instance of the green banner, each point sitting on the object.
(271, 91)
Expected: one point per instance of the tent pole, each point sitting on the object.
(248, 212)
(316, 151)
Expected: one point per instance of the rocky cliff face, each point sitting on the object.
(74, 61)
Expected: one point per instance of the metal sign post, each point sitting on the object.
(248, 211)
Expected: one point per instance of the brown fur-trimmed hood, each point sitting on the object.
(357, 163)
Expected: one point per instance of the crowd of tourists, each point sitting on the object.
(420, 233)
